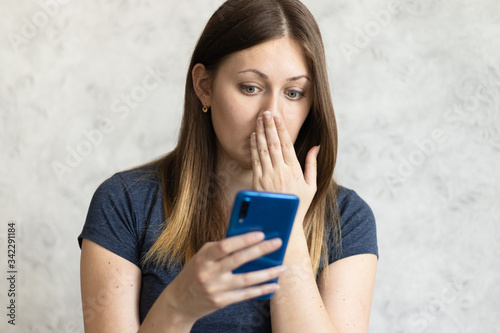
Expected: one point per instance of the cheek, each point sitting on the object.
(293, 131)
(295, 124)
(232, 120)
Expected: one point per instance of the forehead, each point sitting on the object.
(277, 57)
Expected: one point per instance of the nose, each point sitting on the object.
(272, 102)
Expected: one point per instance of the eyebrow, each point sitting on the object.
(265, 77)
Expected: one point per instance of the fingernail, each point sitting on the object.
(317, 150)
(277, 119)
(259, 235)
(276, 242)
(267, 115)
(260, 122)
(253, 137)
(274, 287)
(281, 269)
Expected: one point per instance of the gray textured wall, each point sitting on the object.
(417, 99)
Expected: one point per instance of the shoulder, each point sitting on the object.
(119, 211)
(137, 182)
(357, 224)
(352, 206)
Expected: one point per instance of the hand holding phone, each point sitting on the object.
(271, 213)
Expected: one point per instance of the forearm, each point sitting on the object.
(163, 317)
(297, 306)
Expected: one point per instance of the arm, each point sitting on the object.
(111, 286)
(340, 304)
(347, 291)
(110, 295)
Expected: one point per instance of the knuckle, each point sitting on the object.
(266, 247)
(263, 151)
(288, 145)
(206, 245)
(198, 259)
(253, 292)
(275, 146)
(223, 247)
(246, 279)
(209, 291)
(256, 162)
(216, 302)
(237, 259)
(202, 278)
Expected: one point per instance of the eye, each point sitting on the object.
(294, 94)
(249, 90)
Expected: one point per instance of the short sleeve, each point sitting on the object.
(358, 228)
(110, 220)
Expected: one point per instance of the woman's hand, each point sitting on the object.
(275, 164)
(207, 283)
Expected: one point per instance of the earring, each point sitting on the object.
(205, 109)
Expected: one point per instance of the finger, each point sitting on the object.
(257, 291)
(225, 247)
(287, 148)
(239, 258)
(244, 280)
(256, 166)
(311, 166)
(244, 294)
(262, 148)
(273, 139)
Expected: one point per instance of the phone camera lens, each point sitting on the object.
(244, 209)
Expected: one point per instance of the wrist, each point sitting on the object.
(297, 244)
(298, 222)
(165, 316)
(174, 314)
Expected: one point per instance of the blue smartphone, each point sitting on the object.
(271, 213)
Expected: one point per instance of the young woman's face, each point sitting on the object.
(272, 76)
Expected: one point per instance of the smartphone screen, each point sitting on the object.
(271, 213)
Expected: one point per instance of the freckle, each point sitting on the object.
(117, 287)
(131, 285)
(109, 262)
(343, 299)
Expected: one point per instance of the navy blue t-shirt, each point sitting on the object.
(126, 216)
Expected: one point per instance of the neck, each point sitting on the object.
(232, 177)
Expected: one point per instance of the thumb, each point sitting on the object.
(311, 166)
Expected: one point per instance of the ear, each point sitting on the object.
(202, 84)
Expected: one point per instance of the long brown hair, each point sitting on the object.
(194, 213)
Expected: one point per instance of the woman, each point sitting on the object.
(257, 110)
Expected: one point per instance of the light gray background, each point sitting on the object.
(418, 113)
